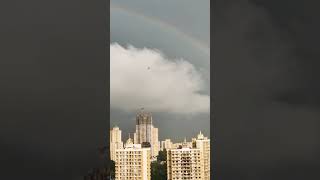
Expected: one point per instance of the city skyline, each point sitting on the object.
(128, 130)
(136, 159)
(166, 71)
(160, 89)
(118, 134)
(187, 137)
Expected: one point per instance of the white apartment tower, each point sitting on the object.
(155, 144)
(203, 143)
(133, 162)
(190, 162)
(115, 141)
(184, 163)
(166, 144)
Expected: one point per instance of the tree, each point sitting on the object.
(158, 171)
(159, 167)
(162, 156)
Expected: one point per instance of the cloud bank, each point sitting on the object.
(146, 78)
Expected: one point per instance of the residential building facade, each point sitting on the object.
(133, 162)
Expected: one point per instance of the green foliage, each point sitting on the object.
(159, 167)
(158, 171)
(162, 155)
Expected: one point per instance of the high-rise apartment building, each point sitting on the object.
(184, 163)
(166, 144)
(133, 162)
(203, 143)
(146, 132)
(115, 141)
(155, 144)
(190, 161)
(179, 145)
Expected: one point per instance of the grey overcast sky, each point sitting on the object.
(173, 39)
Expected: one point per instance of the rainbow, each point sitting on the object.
(193, 41)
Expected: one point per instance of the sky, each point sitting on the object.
(161, 61)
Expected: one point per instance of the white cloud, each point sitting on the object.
(146, 78)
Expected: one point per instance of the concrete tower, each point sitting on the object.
(115, 141)
(146, 132)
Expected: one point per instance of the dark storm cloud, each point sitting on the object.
(266, 124)
(156, 73)
(53, 88)
(129, 28)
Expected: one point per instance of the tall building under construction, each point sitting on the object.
(146, 132)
